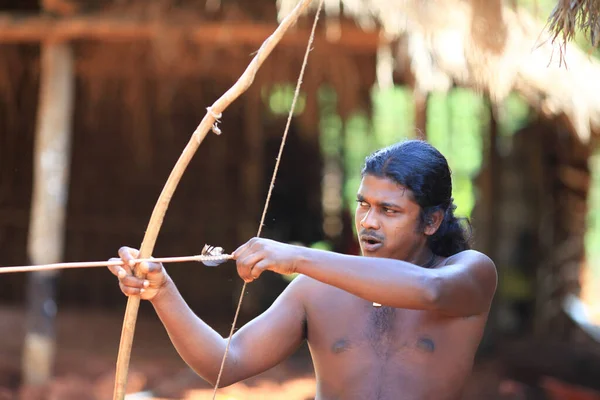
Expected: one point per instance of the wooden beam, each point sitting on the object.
(60, 7)
(32, 29)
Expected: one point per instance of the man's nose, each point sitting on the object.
(369, 221)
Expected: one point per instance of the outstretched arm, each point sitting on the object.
(464, 286)
(259, 345)
(256, 347)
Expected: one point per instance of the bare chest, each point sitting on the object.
(359, 350)
(355, 327)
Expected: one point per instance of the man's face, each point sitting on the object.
(387, 220)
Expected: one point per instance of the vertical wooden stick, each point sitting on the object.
(162, 204)
(48, 208)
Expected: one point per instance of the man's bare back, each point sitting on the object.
(365, 352)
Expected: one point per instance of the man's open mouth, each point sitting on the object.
(370, 243)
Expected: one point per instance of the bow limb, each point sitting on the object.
(160, 209)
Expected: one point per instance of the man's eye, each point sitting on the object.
(389, 211)
(362, 203)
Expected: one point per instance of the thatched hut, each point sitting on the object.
(144, 73)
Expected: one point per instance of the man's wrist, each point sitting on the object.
(302, 260)
(164, 293)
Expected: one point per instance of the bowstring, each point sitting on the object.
(272, 184)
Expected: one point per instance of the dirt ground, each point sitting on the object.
(87, 351)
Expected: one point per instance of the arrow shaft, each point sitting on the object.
(97, 264)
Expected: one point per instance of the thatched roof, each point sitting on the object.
(171, 42)
(434, 44)
(570, 16)
(486, 45)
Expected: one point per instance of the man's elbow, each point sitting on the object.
(439, 298)
(227, 379)
(433, 293)
(229, 375)
(223, 383)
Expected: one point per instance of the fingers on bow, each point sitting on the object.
(129, 257)
(129, 283)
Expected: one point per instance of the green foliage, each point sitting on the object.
(539, 8)
(358, 145)
(322, 245)
(515, 114)
(393, 117)
(330, 123)
(455, 125)
(592, 237)
(280, 97)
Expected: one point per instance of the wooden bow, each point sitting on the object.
(208, 122)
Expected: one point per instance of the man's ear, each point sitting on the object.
(433, 222)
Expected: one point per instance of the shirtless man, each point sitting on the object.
(435, 294)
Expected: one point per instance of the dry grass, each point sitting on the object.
(571, 16)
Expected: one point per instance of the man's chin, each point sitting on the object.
(372, 250)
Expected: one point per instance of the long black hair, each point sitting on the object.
(420, 167)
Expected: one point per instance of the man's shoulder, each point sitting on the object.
(307, 289)
(477, 265)
(471, 257)
(305, 285)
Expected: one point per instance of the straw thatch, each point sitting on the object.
(567, 18)
(570, 16)
(485, 45)
(488, 46)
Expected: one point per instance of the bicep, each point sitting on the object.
(466, 286)
(271, 337)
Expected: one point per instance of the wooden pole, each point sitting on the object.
(48, 208)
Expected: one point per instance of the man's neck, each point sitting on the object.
(425, 258)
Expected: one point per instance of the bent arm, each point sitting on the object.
(463, 287)
(258, 346)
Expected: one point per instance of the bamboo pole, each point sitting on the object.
(208, 123)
